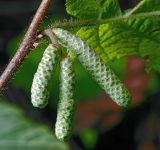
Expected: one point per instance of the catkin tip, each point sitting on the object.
(40, 105)
(125, 102)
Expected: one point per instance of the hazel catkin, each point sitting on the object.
(39, 89)
(66, 107)
(91, 61)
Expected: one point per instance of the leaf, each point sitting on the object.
(18, 132)
(92, 9)
(91, 34)
(82, 8)
(138, 36)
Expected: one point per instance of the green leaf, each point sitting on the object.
(92, 9)
(17, 132)
(138, 36)
(109, 8)
(134, 37)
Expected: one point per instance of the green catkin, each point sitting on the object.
(66, 107)
(95, 66)
(39, 89)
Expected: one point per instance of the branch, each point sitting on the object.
(52, 36)
(25, 46)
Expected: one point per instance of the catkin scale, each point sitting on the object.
(39, 89)
(66, 106)
(104, 76)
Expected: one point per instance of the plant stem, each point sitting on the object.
(83, 23)
(25, 46)
(53, 38)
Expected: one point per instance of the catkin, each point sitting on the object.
(39, 89)
(66, 107)
(95, 66)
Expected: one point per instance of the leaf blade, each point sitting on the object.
(19, 133)
(93, 9)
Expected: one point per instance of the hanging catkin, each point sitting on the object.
(39, 89)
(95, 66)
(66, 107)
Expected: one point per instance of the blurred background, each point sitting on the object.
(99, 123)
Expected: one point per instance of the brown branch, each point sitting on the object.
(25, 46)
(52, 36)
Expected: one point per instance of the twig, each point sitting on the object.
(25, 46)
(52, 37)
